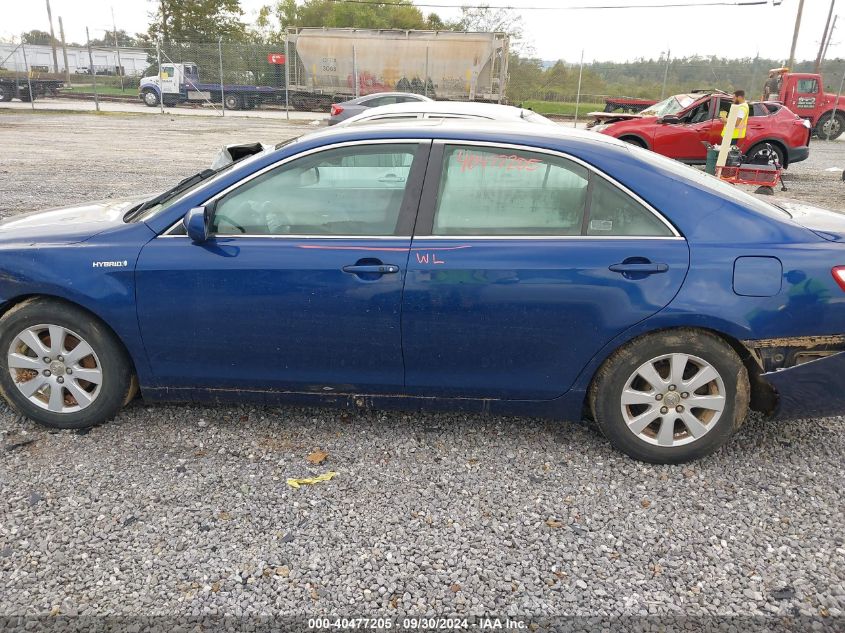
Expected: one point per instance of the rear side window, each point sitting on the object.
(614, 212)
(498, 191)
(489, 191)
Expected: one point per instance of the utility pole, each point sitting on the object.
(665, 74)
(824, 38)
(117, 46)
(92, 70)
(829, 38)
(64, 51)
(52, 40)
(791, 61)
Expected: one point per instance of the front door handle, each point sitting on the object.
(381, 269)
(639, 268)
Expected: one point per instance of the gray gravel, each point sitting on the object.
(185, 510)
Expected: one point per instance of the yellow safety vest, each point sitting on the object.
(741, 124)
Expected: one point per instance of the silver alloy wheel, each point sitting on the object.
(55, 368)
(150, 98)
(672, 400)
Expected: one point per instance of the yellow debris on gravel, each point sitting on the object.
(296, 483)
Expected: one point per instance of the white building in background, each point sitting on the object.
(40, 59)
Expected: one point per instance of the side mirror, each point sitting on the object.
(196, 223)
(669, 119)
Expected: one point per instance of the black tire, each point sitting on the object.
(633, 140)
(117, 376)
(25, 96)
(150, 98)
(605, 396)
(777, 149)
(5, 93)
(233, 101)
(838, 125)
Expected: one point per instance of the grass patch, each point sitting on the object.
(129, 91)
(561, 108)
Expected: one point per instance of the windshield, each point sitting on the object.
(672, 105)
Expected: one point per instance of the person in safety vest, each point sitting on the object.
(742, 118)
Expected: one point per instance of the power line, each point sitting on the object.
(673, 5)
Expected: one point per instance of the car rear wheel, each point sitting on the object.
(671, 397)
(60, 366)
(633, 140)
(777, 149)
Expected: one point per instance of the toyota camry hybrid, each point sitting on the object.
(481, 267)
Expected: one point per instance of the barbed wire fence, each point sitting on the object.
(221, 77)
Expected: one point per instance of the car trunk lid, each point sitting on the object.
(829, 225)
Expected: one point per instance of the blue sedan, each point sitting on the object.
(486, 268)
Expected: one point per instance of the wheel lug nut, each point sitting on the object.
(46, 359)
(69, 370)
(664, 410)
(60, 379)
(679, 409)
(61, 359)
(659, 396)
(685, 395)
(47, 372)
(671, 387)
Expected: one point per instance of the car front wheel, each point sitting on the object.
(671, 397)
(60, 366)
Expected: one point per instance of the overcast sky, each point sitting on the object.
(602, 34)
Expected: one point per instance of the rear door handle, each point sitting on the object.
(384, 269)
(641, 268)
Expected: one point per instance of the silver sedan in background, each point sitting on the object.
(347, 109)
(447, 110)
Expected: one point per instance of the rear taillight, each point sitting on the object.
(336, 109)
(838, 273)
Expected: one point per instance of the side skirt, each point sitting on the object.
(566, 407)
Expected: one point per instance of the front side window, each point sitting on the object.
(356, 190)
(499, 191)
(808, 86)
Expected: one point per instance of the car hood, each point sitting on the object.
(66, 225)
(829, 225)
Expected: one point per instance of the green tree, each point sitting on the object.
(35, 37)
(197, 21)
(394, 14)
(123, 39)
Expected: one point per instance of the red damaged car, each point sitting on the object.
(679, 127)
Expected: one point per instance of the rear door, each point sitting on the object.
(523, 265)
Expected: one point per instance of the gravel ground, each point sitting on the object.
(185, 510)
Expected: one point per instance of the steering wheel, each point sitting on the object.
(230, 221)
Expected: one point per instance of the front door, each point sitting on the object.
(802, 99)
(523, 266)
(169, 79)
(686, 140)
(300, 286)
